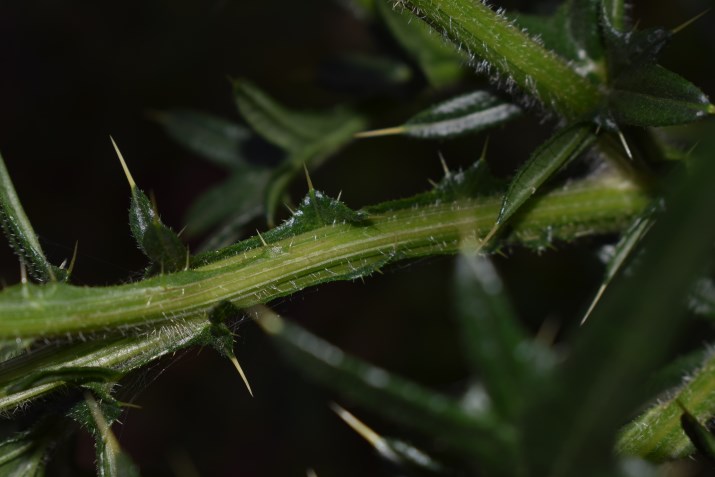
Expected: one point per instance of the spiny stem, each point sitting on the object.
(338, 251)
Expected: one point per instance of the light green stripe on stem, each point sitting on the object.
(518, 58)
(333, 252)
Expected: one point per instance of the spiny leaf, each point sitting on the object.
(220, 337)
(602, 382)
(624, 249)
(464, 114)
(210, 136)
(493, 340)
(158, 242)
(440, 62)
(654, 96)
(392, 396)
(21, 235)
(111, 460)
(565, 145)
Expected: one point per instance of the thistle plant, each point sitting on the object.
(610, 171)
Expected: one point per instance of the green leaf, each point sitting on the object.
(24, 454)
(630, 50)
(440, 62)
(288, 129)
(111, 460)
(493, 340)
(603, 380)
(394, 397)
(511, 56)
(238, 200)
(565, 145)
(654, 96)
(21, 235)
(158, 242)
(465, 114)
(209, 136)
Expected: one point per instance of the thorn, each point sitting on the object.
(292, 212)
(307, 178)
(433, 183)
(178, 234)
(340, 194)
(447, 172)
(70, 269)
(129, 405)
(261, 237)
(372, 437)
(625, 145)
(483, 156)
(595, 300)
(687, 23)
(310, 473)
(63, 264)
(381, 132)
(489, 236)
(188, 259)
(243, 375)
(132, 184)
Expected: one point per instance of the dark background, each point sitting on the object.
(73, 72)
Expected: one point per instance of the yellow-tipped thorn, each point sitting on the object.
(381, 132)
(687, 23)
(132, 184)
(595, 300)
(307, 178)
(358, 426)
(74, 258)
(237, 365)
(261, 237)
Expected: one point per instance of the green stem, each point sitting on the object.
(333, 252)
(512, 53)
